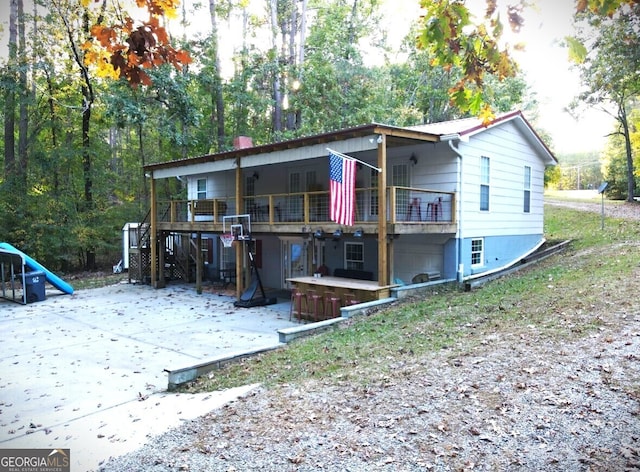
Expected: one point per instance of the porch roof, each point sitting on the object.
(395, 136)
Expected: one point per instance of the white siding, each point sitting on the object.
(413, 255)
(436, 168)
(509, 153)
(219, 185)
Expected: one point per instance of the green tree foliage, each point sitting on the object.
(450, 33)
(614, 162)
(610, 71)
(322, 84)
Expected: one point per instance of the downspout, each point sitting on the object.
(459, 263)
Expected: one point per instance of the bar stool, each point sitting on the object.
(331, 304)
(296, 304)
(350, 299)
(314, 297)
(414, 204)
(434, 209)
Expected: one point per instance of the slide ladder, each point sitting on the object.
(32, 264)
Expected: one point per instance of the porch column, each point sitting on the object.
(199, 263)
(162, 249)
(383, 269)
(152, 236)
(239, 245)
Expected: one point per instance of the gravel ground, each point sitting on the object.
(517, 400)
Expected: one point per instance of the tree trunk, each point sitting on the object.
(276, 118)
(10, 84)
(23, 122)
(145, 191)
(53, 120)
(631, 184)
(217, 97)
(87, 102)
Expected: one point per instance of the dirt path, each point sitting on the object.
(614, 209)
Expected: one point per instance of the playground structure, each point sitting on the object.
(21, 286)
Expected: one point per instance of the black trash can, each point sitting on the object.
(34, 286)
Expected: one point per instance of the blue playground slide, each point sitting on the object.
(32, 264)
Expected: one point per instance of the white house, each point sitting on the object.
(451, 200)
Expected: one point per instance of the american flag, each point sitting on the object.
(342, 186)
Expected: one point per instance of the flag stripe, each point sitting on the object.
(342, 179)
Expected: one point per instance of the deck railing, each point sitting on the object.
(404, 205)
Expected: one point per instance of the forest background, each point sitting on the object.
(76, 139)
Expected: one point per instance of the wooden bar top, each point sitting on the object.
(340, 282)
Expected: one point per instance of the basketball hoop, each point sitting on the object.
(227, 239)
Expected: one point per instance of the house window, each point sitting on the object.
(311, 179)
(373, 199)
(484, 184)
(527, 189)
(354, 256)
(201, 192)
(477, 252)
(250, 186)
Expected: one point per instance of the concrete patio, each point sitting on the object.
(87, 371)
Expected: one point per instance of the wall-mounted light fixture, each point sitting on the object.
(255, 176)
(359, 233)
(318, 234)
(337, 234)
(413, 158)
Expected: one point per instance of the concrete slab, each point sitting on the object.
(86, 371)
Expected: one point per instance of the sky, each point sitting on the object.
(547, 69)
(544, 62)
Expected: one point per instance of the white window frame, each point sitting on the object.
(485, 182)
(201, 194)
(353, 264)
(477, 253)
(527, 190)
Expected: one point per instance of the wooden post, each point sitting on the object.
(199, 263)
(152, 235)
(383, 269)
(239, 245)
(162, 245)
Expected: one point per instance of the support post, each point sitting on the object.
(153, 246)
(199, 263)
(239, 246)
(162, 246)
(383, 269)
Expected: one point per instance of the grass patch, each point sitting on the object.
(87, 280)
(565, 296)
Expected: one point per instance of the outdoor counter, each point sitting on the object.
(364, 290)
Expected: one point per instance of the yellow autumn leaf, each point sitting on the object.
(106, 70)
(486, 115)
(170, 11)
(90, 57)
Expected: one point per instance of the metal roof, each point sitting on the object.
(395, 136)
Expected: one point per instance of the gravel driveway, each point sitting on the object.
(516, 400)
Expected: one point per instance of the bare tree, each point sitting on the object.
(10, 85)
